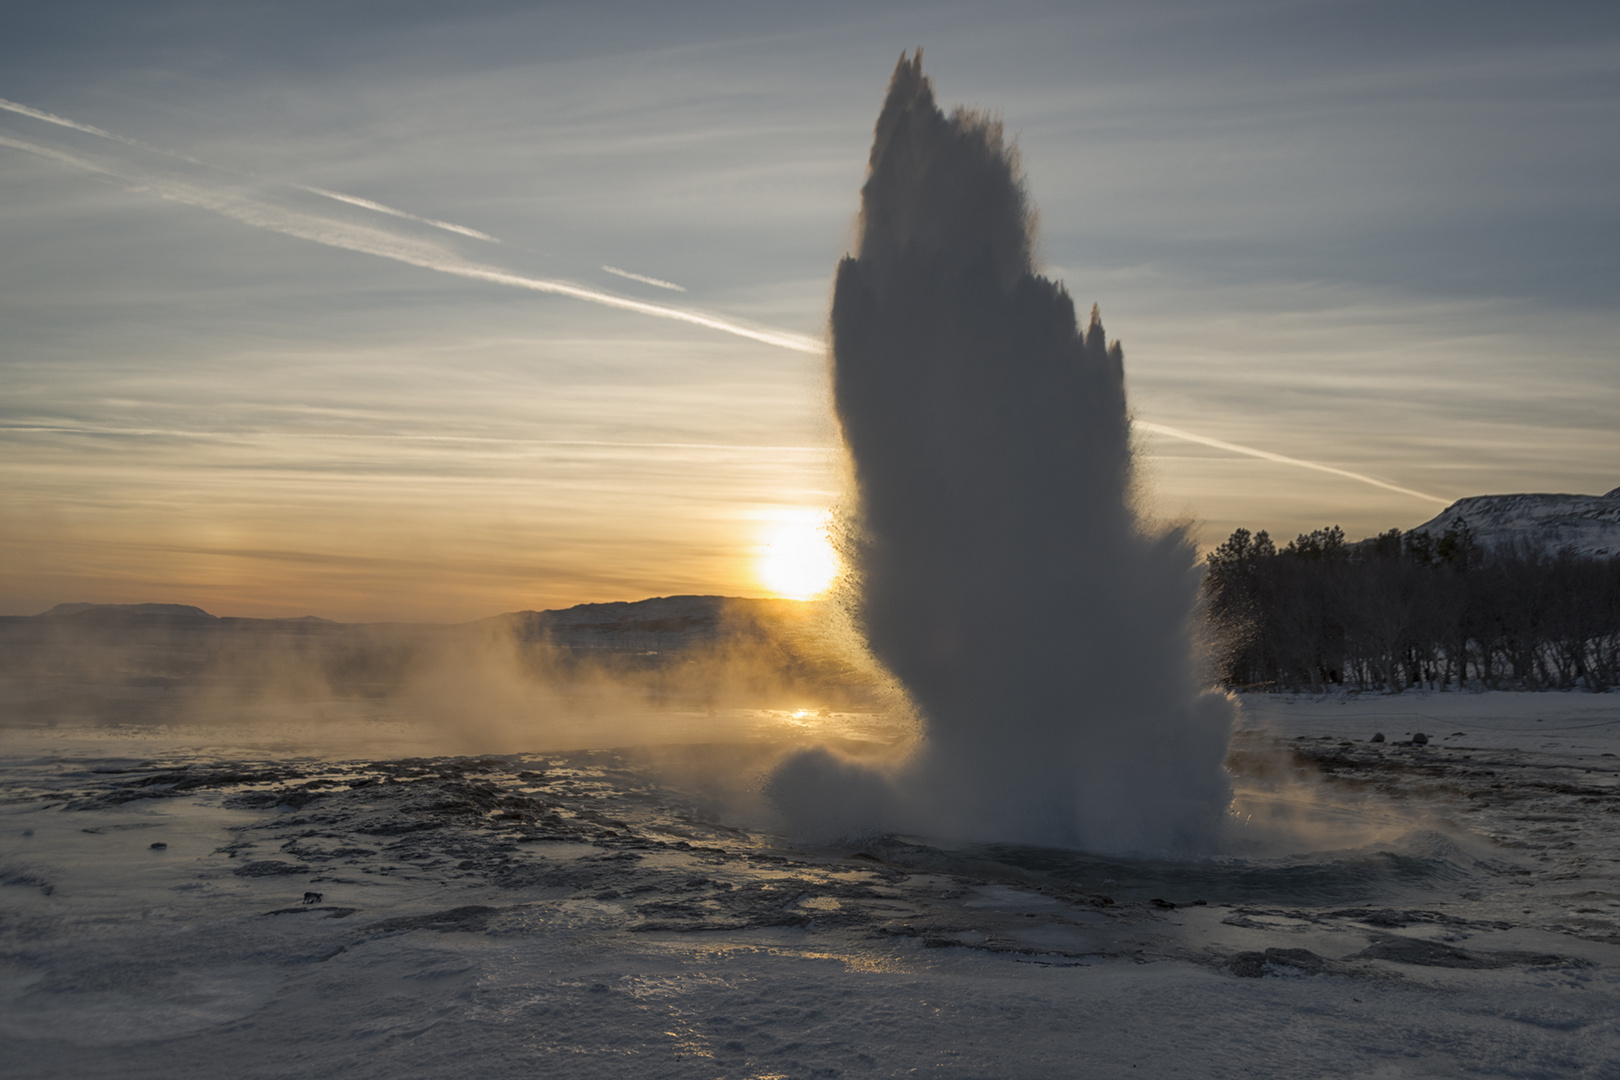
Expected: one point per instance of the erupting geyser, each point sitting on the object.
(1000, 573)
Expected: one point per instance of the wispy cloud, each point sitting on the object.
(644, 279)
(248, 435)
(1282, 459)
(354, 236)
(252, 209)
(62, 121)
(352, 200)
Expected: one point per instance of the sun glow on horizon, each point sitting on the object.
(796, 558)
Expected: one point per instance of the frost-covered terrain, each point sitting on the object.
(1385, 909)
(1588, 525)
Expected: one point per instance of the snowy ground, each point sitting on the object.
(1384, 910)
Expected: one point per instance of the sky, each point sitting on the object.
(410, 311)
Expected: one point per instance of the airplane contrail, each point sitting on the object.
(353, 200)
(644, 279)
(352, 236)
(1282, 459)
(62, 121)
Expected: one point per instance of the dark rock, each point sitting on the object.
(325, 912)
(14, 877)
(1378, 736)
(1419, 739)
(1255, 965)
(312, 898)
(1386, 917)
(471, 919)
(260, 800)
(1404, 950)
(158, 845)
(270, 868)
(400, 826)
(1248, 965)
(1434, 954)
(1303, 959)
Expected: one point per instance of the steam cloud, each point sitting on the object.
(1001, 575)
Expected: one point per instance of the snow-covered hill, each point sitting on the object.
(1587, 524)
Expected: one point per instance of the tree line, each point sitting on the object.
(1411, 610)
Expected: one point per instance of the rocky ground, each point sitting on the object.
(631, 913)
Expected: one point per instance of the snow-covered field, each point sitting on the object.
(1383, 910)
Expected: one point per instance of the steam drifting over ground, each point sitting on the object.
(1002, 575)
(596, 675)
(605, 914)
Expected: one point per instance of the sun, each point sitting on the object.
(796, 556)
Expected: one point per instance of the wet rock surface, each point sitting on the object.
(1274, 961)
(1550, 823)
(306, 872)
(601, 826)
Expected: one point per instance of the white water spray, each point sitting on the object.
(1001, 575)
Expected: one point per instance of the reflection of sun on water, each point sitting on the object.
(796, 559)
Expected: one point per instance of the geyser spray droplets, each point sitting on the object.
(1000, 573)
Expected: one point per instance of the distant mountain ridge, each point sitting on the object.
(171, 610)
(656, 614)
(692, 617)
(1588, 525)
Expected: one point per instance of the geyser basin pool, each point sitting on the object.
(598, 915)
(1039, 627)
